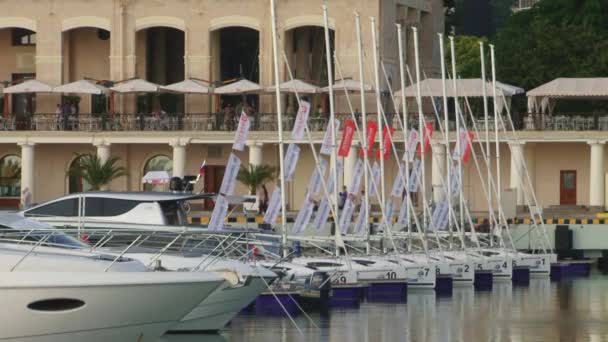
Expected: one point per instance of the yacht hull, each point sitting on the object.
(96, 307)
(220, 307)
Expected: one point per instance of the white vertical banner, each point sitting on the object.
(398, 184)
(220, 210)
(326, 147)
(389, 209)
(274, 206)
(301, 121)
(347, 215)
(291, 161)
(439, 219)
(415, 176)
(232, 170)
(412, 143)
(322, 214)
(242, 131)
(454, 181)
(360, 223)
(330, 182)
(404, 213)
(314, 185)
(375, 180)
(355, 183)
(303, 216)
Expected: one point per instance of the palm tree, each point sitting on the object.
(94, 172)
(256, 176)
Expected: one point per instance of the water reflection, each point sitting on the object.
(575, 310)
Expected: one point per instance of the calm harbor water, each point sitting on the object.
(572, 310)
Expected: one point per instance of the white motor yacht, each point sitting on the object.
(243, 284)
(65, 294)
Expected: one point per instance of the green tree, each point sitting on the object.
(468, 58)
(96, 173)
(256, 177)
(556, 38)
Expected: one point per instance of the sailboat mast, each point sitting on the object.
(365, 199)
(380, 127)
(487, 128)
(280, 127)
(332, 121)
(422, 133)
(458, 145)
(495, 99)
(405, 129)
(448, 164)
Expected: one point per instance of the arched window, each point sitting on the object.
(10, 176)
(157, 163)
(77, 183)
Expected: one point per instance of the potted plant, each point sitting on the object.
(255, 177)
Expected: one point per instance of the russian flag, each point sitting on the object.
(203, 168)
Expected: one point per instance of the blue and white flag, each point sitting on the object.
(291, 161)
(375, 180)
(232, 170)
(415, 176)
(303, 216)
(220, 210)
(274, 206)
(404, 213)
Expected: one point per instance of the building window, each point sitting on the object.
(23, 37)
(157, 163)
(10, 176)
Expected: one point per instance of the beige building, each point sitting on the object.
(166, 41)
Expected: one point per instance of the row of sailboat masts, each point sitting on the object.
(456, 222)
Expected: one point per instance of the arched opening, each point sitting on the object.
(10, 176)
(160, 52)
(85, 52)
(157, 163)
(305, 50)
(235, 54)
(77, 183)
(18, 46)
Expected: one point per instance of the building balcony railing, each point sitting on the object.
(267, 122)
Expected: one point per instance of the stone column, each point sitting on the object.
(255, 153)
(179, 159)
(596, 174)
(438, 163)
(104, 152)
(27, 170)
(517, 175)
(349, 164)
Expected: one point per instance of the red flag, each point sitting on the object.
(467, 149)
(427, 134)
(372, 129)
(387, 137)
(347, 138)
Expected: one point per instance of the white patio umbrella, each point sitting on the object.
(135, 86)
(28, 87)
(348, 85)
(188, 86)
(294, 86)
(81, 87)
(239, 87)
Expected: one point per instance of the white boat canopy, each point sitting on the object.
(136, 85)
(81, 87)
(348, 85)
(294, 86)
(469, 87)
(28, 87)
(544, 96)
(189, 86)
(239, 87)
(156, 177)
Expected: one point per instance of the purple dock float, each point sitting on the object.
(268, 305)
(346, 296)
(559, 270)
(444, 284)
(579, 268)
(483, 280)
(521, 275)
(387, 292)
